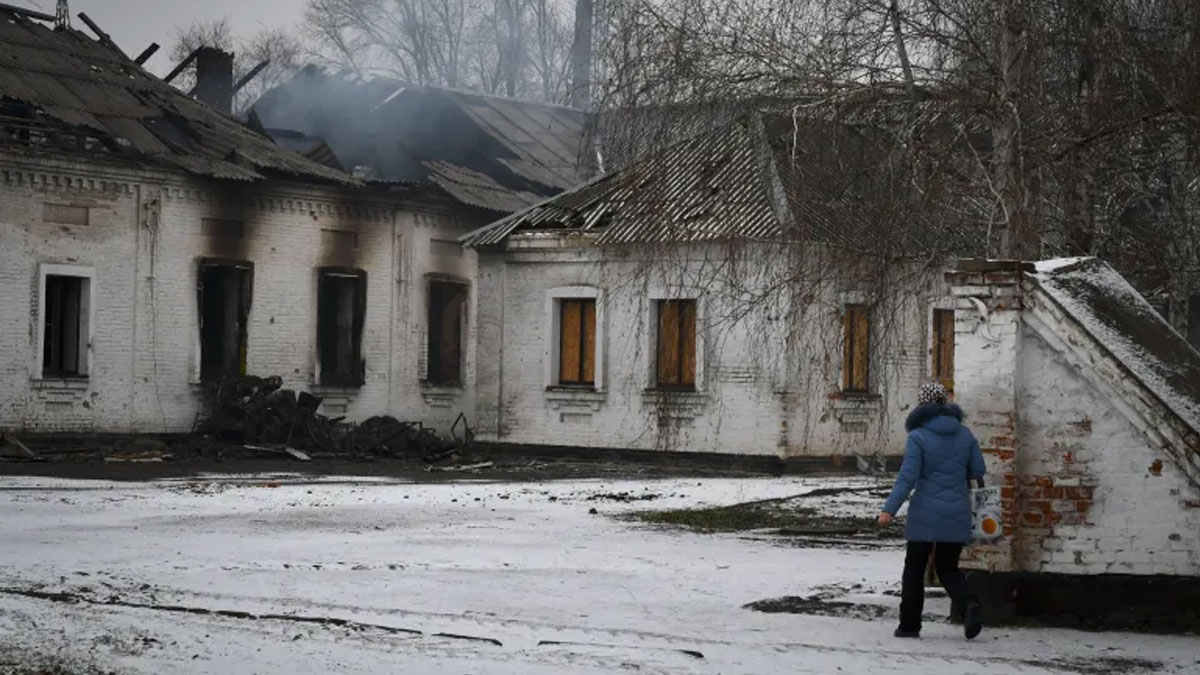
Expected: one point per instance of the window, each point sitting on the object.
(224, 301)
(65, 317)
(341, 309)
(676, 344)
(856, 349)
(942, 362)
(447, 316)
(577, 342)
(1193, 330)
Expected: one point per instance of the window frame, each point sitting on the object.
(428, 372)
(87, 316)
(357, 376)
(552, 352)
(850, 348)
(247, 268)
(680, 385)
(936, 356)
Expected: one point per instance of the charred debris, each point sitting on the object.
(259, 415)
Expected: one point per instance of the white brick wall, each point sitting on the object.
(1139, 521)
(145, 242)
(1088, 480)
(768, 378)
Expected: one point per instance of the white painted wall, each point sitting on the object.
(1138, 520)
(768, 381)
(145, 241)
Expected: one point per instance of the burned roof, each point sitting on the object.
(488, 152)
(63, 92)
(761, 176)
(1109, 308)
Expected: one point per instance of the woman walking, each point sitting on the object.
(940, 457)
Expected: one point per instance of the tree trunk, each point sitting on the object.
(581, 56)
(1018, 240)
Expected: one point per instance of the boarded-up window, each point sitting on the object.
(65, 323)
(676, 364)
(577, 342)
(1194, 321)
(856, 349)
(341, 312)
(224, 300)
(943, 347)
(447, 317)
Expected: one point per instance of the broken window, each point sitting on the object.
(856, 349)
(1193, 330)
(341, 310)
(65, 315)
(676, 364)
(942, 361)
(224, 300)
(447, 317)
(577, 341)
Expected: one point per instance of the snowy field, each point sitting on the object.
(290, 575)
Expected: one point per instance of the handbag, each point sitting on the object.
(986, 523)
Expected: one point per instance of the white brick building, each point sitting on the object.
(130, 276)
(149, 243)
(671, 306)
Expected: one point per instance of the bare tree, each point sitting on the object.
(1076, 96)
(282, 49)
(510, 47)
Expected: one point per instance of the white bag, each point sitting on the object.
(986, 523)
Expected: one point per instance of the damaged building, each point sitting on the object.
(152, 245)
(738, 292)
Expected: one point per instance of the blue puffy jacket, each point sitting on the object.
(940, 456)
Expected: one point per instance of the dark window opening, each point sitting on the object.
(577, 342)
(447, 316)
(341, 310)
(224, 293)
(856, 349)
(943, 347)
(65, 337)
(676, 344)
(1193, 330)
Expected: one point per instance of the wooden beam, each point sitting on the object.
(32, 14)
(104, 37)
(250, 76)
(146, 54)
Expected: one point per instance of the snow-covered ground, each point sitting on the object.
(290, 575)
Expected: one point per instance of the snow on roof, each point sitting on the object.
(1046, 266)
(1124, 323)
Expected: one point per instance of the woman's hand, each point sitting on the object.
(885, 519)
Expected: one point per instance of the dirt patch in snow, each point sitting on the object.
(17, 662)
(845, 512)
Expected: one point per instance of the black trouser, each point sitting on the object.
(945, 561)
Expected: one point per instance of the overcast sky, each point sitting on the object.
(134, 24)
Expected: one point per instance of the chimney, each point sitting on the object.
(581, 56)
(214, 78)
(62, 19)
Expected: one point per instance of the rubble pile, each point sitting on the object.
(259, 414)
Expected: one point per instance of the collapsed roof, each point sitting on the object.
(63, 92)
(763, 176)
(489, 152)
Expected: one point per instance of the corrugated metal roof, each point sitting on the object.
(759, 177)
(711, 187)
(488, 151)
(78, 87)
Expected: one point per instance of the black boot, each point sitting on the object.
(905, 633)
(972, 620)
